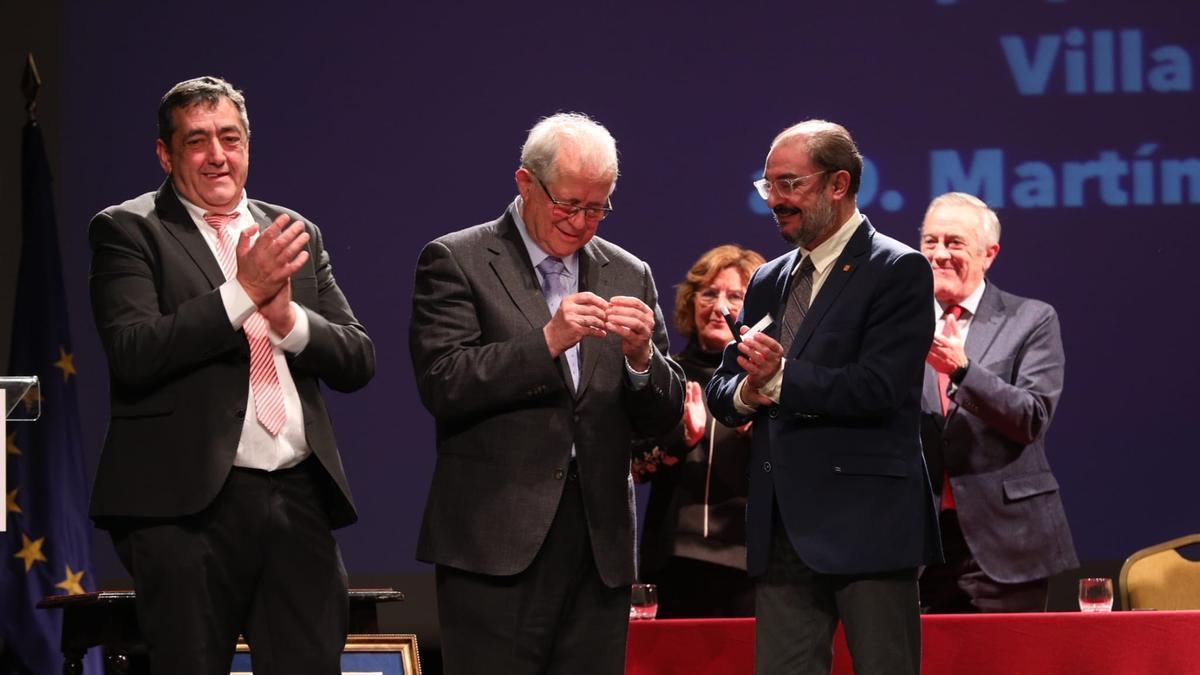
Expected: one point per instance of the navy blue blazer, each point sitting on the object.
(841, 452)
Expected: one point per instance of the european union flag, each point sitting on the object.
(47, 549)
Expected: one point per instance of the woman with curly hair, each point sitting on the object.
(694, 540)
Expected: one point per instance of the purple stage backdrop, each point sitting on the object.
(389, 124)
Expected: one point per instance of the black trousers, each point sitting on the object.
(555, 617)
(960, 586)
(259, 561)
(798, 610)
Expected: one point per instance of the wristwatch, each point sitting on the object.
(959, 373)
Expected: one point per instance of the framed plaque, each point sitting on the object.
(387, 654)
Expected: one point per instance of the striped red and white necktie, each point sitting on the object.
(264, 381)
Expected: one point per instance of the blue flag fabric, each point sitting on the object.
(47, 548)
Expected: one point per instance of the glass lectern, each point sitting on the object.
(20, 401)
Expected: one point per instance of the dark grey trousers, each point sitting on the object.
(555, 618)
(798, 610)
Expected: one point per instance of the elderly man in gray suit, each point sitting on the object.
(539, 349)
(992, 380)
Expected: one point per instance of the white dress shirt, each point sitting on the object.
(257, 448)
(970, 306)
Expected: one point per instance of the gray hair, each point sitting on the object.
(207, 90)
(830, 148)
(595, 146)
(989, 222)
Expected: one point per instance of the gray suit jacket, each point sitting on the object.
(992, 441)
(507, 414)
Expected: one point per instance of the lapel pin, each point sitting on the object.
(845, 268)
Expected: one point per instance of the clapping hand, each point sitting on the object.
(694, 414)
(947, 354)
(265, 266)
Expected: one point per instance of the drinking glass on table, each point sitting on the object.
(644, 602)
(1095, 594)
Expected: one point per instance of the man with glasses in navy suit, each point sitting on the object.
(840, 511)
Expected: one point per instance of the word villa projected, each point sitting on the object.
(1106, 62)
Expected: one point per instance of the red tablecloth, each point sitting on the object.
(1117, 643)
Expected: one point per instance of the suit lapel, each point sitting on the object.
(512, 266)
(178, 223)
(985, 325)
(783, 286)
(839, 275)
(514, 269)
(930, 399)
(592, 263)
(260, 217)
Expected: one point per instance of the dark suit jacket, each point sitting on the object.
(993, 440)
(507, 414)
(179, 372)
(841, 453)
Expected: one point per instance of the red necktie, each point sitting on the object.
(943, 381)
(264, 381)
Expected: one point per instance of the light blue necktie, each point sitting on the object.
(556, 283)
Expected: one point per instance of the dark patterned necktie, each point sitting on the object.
(797, 303)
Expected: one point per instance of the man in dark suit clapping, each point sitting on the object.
(220, 480)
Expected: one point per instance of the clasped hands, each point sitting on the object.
(695, 415)
(265, 269)
(588, 315)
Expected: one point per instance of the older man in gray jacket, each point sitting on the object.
(539, 349)
(992, 380)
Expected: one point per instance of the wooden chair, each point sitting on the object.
(1158, 577)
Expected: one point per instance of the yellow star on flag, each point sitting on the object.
(10, 504)
(31, 551)
(10, 446)
(65, 363)
(71, 584)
